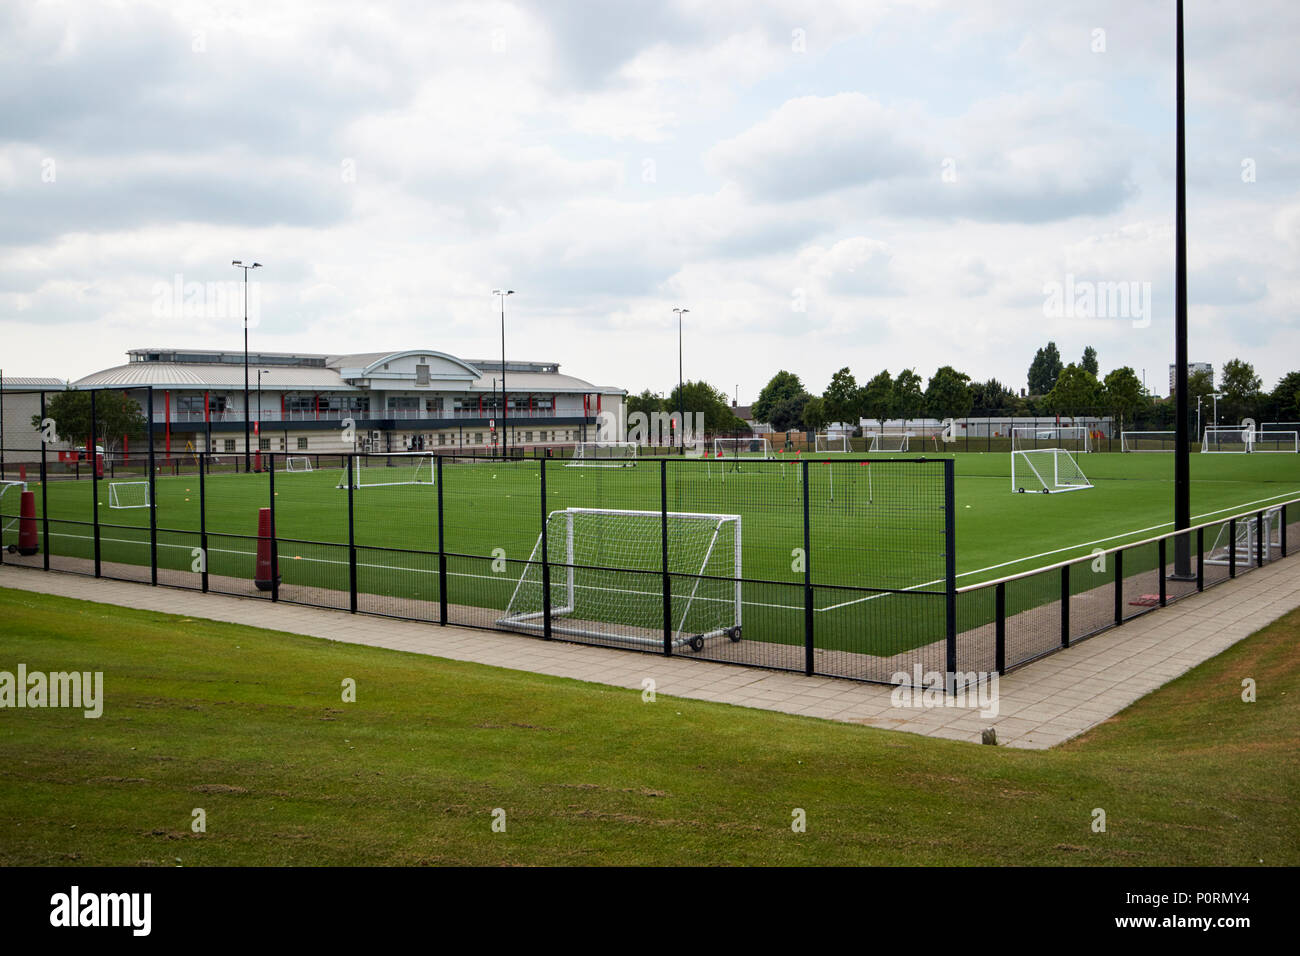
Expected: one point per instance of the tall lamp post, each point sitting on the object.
(681, 391)
(505, 412)
(248, 455)
(260, 373)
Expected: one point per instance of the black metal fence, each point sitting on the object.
(843, 568)
(1009, 622)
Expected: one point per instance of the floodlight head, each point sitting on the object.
(256, 265)
(237, 263)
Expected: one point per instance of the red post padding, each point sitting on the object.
(22, 473)
(27, 524)
(99, 465)
(257, 461)
(266, 567)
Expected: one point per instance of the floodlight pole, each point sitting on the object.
(248, 455)
(681, 388)
(505, 416)
(1182, 445)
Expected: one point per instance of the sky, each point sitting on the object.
(878, 185)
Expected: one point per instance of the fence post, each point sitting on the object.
(809, 639)
(203, 521)
(1232, 548)
(1000, 616)
(442, 553)
(667, 581)
(950, 573)
(1281, 542)
(153, 505)
(1200, 559)
(1119, 587)
(94, 483)
(275, 547)
(1260, 531)
(349, 469)
(1164, 588)
(546, 561)
(1065, 605)
(44, 489)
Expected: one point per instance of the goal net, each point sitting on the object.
(1147, 441)
(1046, 470)
(1250, 543)
(128, 494)
(1270, 440)
(393, 468)
(742, 448)
(10, 503)
(603, 454)
(831, 443)
(606, 580)
(297, 463)
(888, 441)
(1074, 438)
(1227, 440)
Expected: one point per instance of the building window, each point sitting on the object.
(442, 438)
(302, 442)
(478, 438)
(421, 375)
(230, 444)
(264, 444)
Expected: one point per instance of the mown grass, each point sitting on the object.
(250, 726)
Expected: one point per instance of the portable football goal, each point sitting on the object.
(1251, 541)
(831, 443)
(1227, 440)
(10, 503)
(888, 441)
(603, 454)
(752, 447)
(295, 464)
(128, 494)
(605, 570)
(1147, 441)
(1042, 458)
(388, 469)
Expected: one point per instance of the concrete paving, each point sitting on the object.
(1038, 706)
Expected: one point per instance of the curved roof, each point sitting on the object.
(167, 374)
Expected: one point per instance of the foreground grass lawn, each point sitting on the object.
(249, 725)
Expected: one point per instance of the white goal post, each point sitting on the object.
(295, 464)
(603, 454)
(14, 489)
(385, 469)
(128, 494)
(1147, 441)
(831, 443)
(606, 581)
(752, 447)
(1249, 540)
(1046, 470)
(888, 441)
(1074, 438)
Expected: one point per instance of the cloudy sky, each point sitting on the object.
(872, 184)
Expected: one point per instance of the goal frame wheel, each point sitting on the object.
(697, 642)
(734, 634)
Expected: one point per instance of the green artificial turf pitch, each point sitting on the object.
(877, 525)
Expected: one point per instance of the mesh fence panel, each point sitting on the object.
(1033, 616)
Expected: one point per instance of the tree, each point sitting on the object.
(909, 400)
(842, 399)
(878, 397)
(1089, 362)
(1122, 394)
(782, 387)
(1044, 370)
(117, 416)
(1285, 398)
(787, 415)
(992, 399)
(948, 394)
(647, 402)
(719, 419)
(814, 414)
(1241, 390)
(1076, 391)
